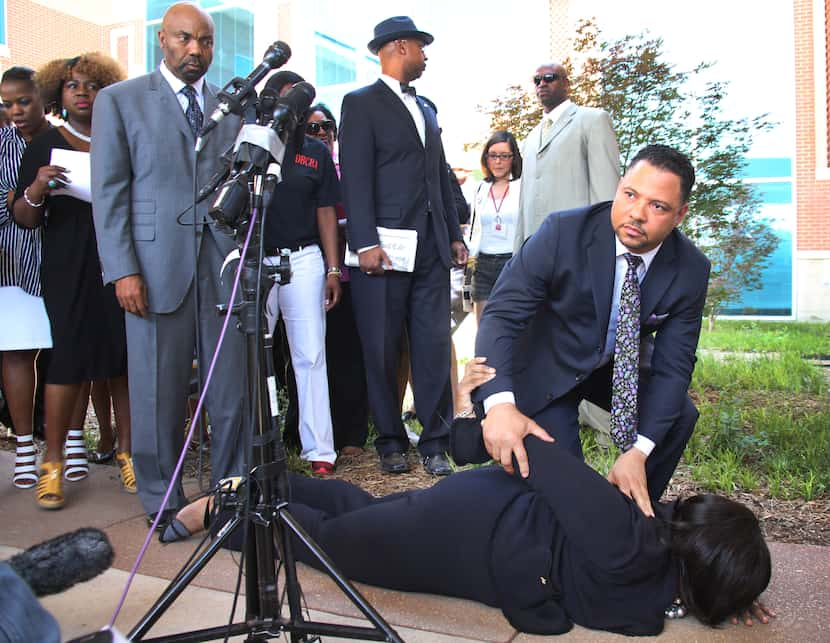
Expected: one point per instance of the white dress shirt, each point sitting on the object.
(410, 103)
(554, 115)
(177, 84)
(621, 267)
(412, 106)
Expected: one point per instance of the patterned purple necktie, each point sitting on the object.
(624, 414)
(193, 113)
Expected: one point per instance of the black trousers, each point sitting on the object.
(400, 541)
(419, 300)
(560, 418)
(347, 374)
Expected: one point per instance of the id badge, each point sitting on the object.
(498, 230)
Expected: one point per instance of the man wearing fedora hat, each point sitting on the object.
(394, 175)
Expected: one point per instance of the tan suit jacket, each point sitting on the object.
(576, 164)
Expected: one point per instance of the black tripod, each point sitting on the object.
(259, 502)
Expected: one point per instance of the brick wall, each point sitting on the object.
(813, 194)
(36, 34)
(561, 30)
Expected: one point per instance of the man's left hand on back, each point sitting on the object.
(629, 475)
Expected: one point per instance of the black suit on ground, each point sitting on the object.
(545, 325)
(391, 179)
(561, 547)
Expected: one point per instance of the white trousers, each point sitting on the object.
(302, 303)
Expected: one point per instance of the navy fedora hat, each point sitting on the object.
(395, 28)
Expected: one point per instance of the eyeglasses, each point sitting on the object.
(314, 128)
(504, 156)
(548, 78)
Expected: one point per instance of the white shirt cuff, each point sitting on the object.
(643, 444)
(498, 398)
(359, 250)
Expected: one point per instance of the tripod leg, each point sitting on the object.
(341, 581)
(183, 580)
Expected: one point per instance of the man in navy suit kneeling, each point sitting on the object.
(602, 303)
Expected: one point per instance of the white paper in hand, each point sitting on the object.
(77, 163)
(399, 245)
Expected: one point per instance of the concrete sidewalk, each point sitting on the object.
(798, 592)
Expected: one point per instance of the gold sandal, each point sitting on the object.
(125, 463)
(49, 492)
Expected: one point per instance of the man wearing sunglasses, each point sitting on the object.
(570, 159)
(394, 174)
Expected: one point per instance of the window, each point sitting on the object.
(2, 22)
(772, 180)
(233, 39)
(335, 62)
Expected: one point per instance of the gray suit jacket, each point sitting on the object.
(142, 185)
(576, 165)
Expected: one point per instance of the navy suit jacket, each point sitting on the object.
(545, 323)
(389, 178)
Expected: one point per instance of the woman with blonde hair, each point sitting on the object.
(86, 322)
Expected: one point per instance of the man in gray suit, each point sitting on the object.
(165, 262)
(570, 159)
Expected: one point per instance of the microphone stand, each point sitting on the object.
(260, 500)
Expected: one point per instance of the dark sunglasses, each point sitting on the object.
(548, 78)
(314, 128)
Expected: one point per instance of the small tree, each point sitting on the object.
(650, 101)
(516, 111)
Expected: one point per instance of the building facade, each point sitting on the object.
(812, 163)
(328, 41)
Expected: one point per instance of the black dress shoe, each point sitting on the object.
(166, 518)
(437, 465)
(394, 462)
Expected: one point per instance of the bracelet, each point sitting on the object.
(465, 413)
(33, 205)
(334, 270)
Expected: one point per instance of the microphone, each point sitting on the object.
(268, 98)
(291, 107)
(57, 564)
(238, 90)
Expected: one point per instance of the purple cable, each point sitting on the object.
(196, 414)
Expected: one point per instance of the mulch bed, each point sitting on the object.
(787, 521)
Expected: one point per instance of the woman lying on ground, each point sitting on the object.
(561, 546)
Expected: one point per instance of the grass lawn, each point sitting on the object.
(764, 422)
(810, 340)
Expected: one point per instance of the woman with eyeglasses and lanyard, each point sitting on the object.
(495, 211)
(302, 219)
(344, 355)
(86, 321)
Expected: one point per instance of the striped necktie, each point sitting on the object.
(193, 113)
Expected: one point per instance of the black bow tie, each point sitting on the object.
(408, 89)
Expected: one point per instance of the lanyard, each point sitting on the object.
(503, 197)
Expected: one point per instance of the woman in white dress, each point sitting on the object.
(23, 320)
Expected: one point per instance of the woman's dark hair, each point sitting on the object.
(502, 137)
(724, 561)
(322, 107)
(19, 74)
(671, 160)
(51, 77)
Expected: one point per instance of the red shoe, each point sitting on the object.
(320, 468)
